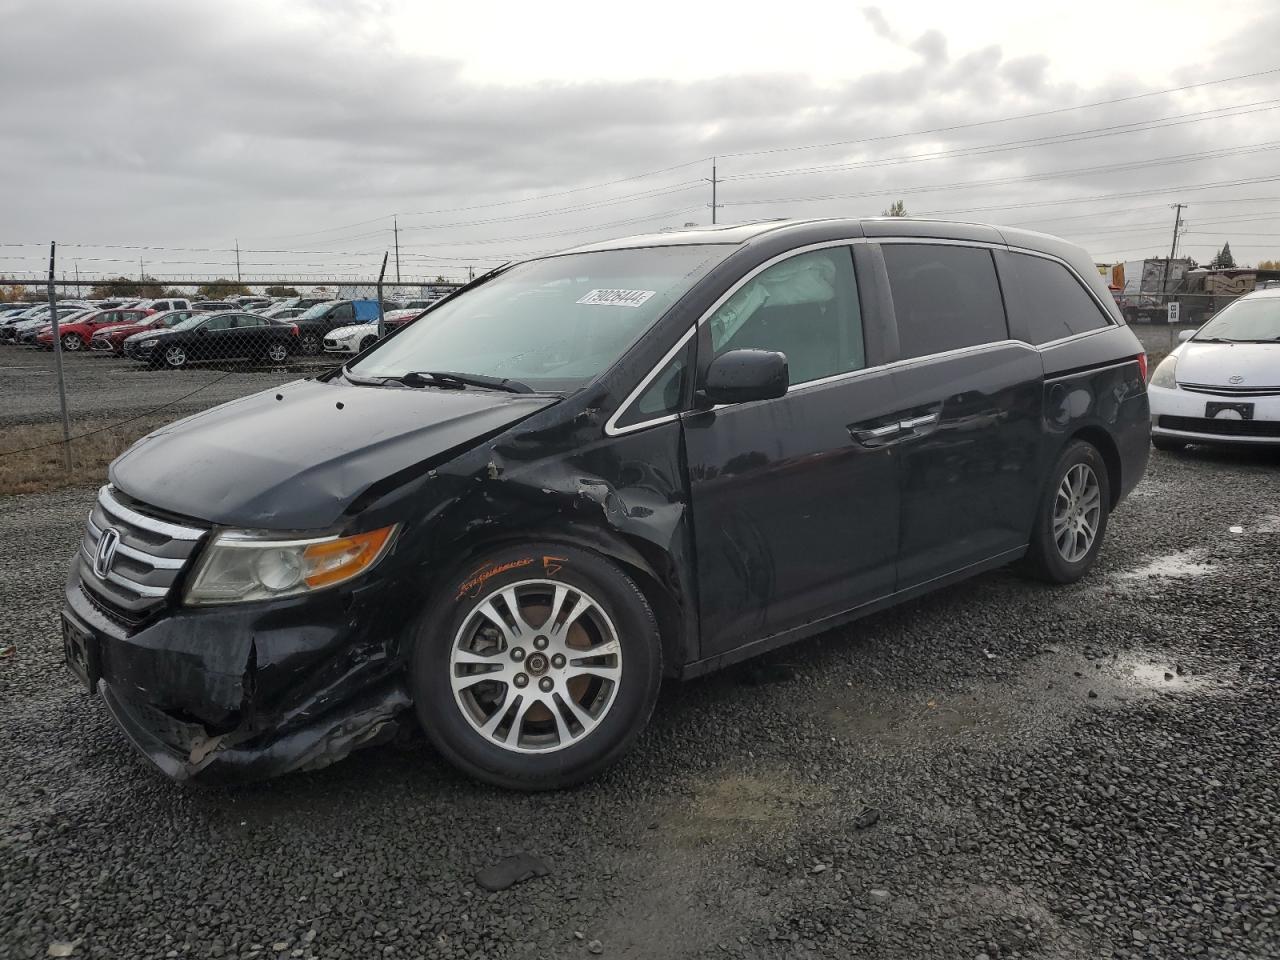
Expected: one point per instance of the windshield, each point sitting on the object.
(553, 324)
(192, 321)
(311, 313)
(1245, 321)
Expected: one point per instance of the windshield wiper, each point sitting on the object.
(460, 381)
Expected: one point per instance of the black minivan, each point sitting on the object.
(586, 472)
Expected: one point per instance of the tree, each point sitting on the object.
(124, 287)
(174, 292)
(12, 294)
(1223, 260)
(281, 292)
(221, 289)
(1269, 264)
(896, 209)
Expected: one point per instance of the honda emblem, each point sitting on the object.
(106, 552)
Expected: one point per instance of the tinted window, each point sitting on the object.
(344, 312)
(1053, 302)
(664, 395)
(221, 322)
(248, 320)
(805, 307)
(944, 297)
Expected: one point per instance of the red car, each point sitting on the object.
(76, 336)
(111, 339)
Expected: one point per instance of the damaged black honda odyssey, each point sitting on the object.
(586, 472)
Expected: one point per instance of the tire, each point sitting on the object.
(1168, 445)
(276, 353)
(310, 344)
(175, 358)
(1046, 559)
(366, 343)
(72, 342)
(541, 753)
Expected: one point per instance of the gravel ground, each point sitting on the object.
(1091, 771)
(101, 386)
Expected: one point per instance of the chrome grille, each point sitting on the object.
(149, 556)
(1231, 391)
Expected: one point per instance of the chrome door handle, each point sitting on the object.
(875, 436)
(918, 422)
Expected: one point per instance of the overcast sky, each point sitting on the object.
(497, 130)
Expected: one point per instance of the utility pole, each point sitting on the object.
(57, 360)
(1173, 249)
(471, 274)
(142, 271)
(714, 205)
(237, 259)
(395, 225)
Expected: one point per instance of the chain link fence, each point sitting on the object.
(129, 367)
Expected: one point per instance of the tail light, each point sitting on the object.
(1142, 366)
(294, 328)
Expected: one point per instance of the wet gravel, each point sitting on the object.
(1000, 770)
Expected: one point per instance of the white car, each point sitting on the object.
(351, 339)
(1222, 383)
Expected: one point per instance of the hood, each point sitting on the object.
(298, 462)
(1215, 364)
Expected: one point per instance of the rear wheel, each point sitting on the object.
(1168, 444)
(1072, 518)
(537, 667)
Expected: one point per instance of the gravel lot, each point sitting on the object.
(1060, 773)
(102, 386)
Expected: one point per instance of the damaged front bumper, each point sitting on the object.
(244, 691)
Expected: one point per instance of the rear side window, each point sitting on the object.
(1052, 302)
(343, 312)
(944, 297)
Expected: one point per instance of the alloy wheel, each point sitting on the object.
(71, 342)
(310, 344)
(536, 666)
(1076, 512)
(277, 353)
(175, 357)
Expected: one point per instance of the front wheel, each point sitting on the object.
(175, 358)
(366, 343)
(1072, 518)
(537, 667)
(72, 342)
(277, 352)
(310, 344)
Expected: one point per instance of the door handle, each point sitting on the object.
(876, 436)
(926, 420)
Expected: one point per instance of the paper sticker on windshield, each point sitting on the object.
(618, 298)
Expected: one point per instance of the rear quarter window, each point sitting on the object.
(1049, 301)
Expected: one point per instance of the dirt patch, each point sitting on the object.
(1172, 566)
(32, 458)
(736, 805)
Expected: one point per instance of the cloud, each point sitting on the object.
(217, 127)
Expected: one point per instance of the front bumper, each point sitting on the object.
(136, 352)
(341, 346)
(246, 691)
(1183, 415)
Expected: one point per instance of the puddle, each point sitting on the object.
(1161, 677)
(1173, 566)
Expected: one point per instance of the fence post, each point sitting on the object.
(382, 326)
(57, 361)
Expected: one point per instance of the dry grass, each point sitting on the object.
(24, 470)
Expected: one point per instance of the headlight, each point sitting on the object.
(238, 566)
(1164, 375)
(148, 343)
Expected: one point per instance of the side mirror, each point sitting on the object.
(1185, 335)
(740, 376)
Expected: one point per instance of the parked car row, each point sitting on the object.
(186, 331)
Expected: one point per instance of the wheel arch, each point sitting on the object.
(1105, 444)
(639, 559)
